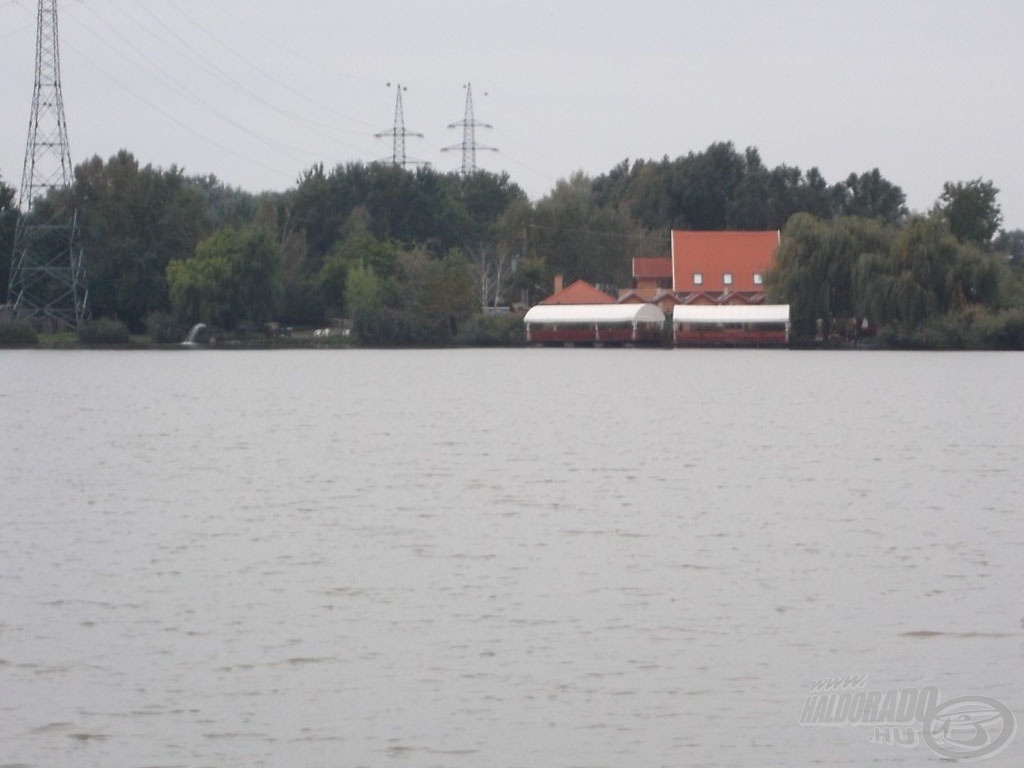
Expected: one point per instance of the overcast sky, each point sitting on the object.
(255, 92)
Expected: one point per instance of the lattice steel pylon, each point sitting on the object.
(398, 133)
(47, 284)
(469, 146)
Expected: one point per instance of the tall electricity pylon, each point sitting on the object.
(398, 133)
(47, 284)
(469, 147)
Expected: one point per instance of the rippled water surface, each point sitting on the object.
(536, 558)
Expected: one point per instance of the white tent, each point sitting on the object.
(593, 314)
(713, 314)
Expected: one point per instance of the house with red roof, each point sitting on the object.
(725, 267)
(580, 292)
(651, 276)
(712, 287)
(719, 278)
(580, 313)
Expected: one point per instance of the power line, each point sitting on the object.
(188, 93)
(47, 282)
(256, 68)
(398, 132)
(173, 118)
(469, 145)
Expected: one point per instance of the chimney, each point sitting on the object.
(558, 282)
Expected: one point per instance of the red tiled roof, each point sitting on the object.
(580, 292)
(716, 254)
(652, 268)
(736, 297)
(700, 297)
(664, 294)
(730, 297)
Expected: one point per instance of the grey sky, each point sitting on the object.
(254, 92)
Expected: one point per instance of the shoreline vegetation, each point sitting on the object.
(973, 330)
(424, 259)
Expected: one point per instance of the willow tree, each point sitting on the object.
(232, 278)
(927, 272)
(814, 269)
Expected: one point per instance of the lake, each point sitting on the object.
(531, 557)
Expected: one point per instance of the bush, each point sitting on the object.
(493, 331)
(1011, 334)
(164, 328)
(386, 327)
(969, 328)
(14, 333)
(104, 331)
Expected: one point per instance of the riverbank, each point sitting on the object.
(976, 337)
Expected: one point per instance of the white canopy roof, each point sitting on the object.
(592, 314)
(699, 314)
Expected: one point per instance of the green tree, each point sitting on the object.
(255, 272)
(135, 221)
(486, 197)
(871, 196)
(814, 269)
(232, 278)
(1011, 245)
(768, 199)
(971, 209)
(299, 300)
(445, 291)
(647, 198)
(580, 240)
(363, 249)
(8, 221)
(199, 289)
(228, 206)
(362, 290)
(703, 184)
(928, 273)
(719, 188)
(493, 204)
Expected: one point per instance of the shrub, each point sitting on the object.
(164, 328)
(493, 331)
(1011, 334)
(386, 327)
(104, 331)
(971, 328)
(14, 333)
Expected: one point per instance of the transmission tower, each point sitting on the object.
(47, 284)
(469, 147)
(398, 132)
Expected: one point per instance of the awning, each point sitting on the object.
(593, 314)
(700, 314)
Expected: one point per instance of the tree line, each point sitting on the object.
(412, 256)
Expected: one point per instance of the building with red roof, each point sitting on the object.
(651, 275)
(580, 292)
(583, 314)
(712, 287)
(729, 265)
